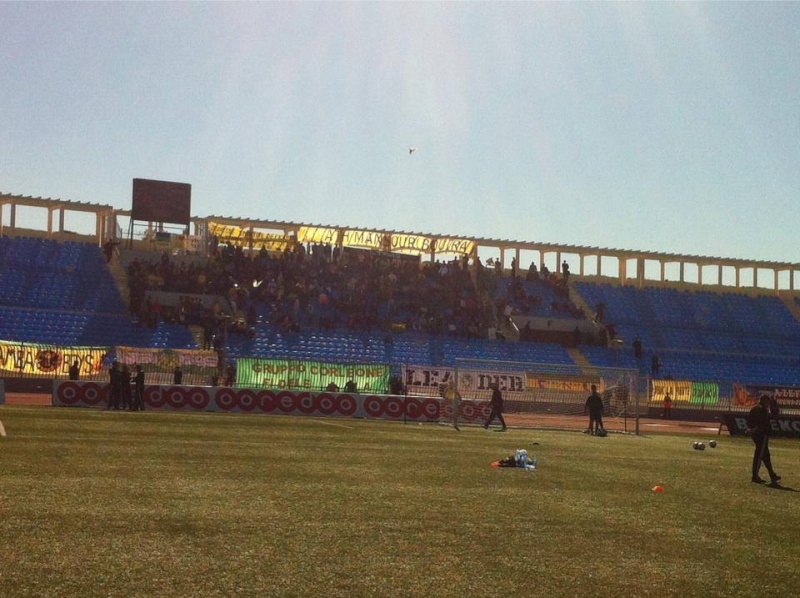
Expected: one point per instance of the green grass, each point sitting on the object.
(96, 503)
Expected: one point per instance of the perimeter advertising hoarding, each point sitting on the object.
(788, 397)
(787, 426)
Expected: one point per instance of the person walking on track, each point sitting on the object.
(759, 428)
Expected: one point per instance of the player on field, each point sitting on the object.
(759, 427)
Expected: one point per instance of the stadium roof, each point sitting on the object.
(106, 214)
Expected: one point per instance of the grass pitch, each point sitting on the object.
(96, 503)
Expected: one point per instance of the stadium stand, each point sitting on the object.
(315, 305)
(699, 335)
(63, 293)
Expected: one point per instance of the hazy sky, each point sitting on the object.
(669, 127)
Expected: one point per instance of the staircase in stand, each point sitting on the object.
(120, 279)
(791, 304)
(580, 360)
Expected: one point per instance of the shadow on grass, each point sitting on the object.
(779, 487)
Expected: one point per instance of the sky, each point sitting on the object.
(658, 126)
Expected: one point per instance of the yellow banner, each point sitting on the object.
(565, 383)
(317, 234)
(384, 241)
(245, 237)
(679, 390)
(50, 361)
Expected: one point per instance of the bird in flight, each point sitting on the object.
(411, 150)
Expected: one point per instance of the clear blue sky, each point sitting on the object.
(669, 127)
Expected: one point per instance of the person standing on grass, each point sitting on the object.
(114, 386)
(496, 407)
(759, 428)
(594, 405)
(138, 391)
(125, 384)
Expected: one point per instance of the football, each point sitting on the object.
(712, 443)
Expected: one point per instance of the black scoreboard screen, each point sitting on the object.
(161, 201)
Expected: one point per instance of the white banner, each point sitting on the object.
(472, 383)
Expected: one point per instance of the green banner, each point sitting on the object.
(704, 393)
(295, 374)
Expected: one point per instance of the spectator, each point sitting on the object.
(655, 365)
(108, 249)
(600, 312)
(533, 273)
(667, 406)
(230, 375)
(637, 347)
(396, 385)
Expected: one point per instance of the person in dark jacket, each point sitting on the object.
(594, 405)
(177, 376)
(114, 386)
(759, 428)
(138, 389)
(126, 392)
(496, 408)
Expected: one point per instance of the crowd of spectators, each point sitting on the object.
(318, 286)
(542, 293)
(322, 286)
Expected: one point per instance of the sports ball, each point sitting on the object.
(701, 446)
(712, 443)
(601, 432)
(694, 445)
